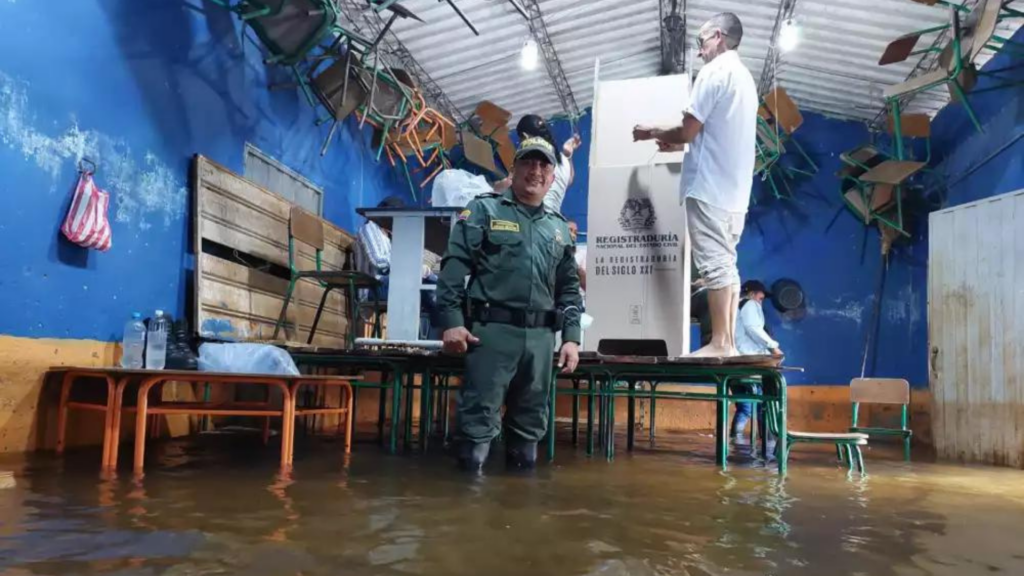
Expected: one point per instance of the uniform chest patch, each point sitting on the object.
(504, 226)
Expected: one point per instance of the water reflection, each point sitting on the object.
(224, 508)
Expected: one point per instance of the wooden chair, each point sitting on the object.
(882, 391)
(309, 229)
(847, 443)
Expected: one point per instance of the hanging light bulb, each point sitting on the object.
(789, 35)
(530, 55)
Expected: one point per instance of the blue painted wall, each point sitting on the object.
(139, 87)
(981, 164)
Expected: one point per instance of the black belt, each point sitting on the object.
(483, 313)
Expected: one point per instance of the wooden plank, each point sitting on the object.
(492, 117)
(979, 337)
(892, 172)
(941, 324)
(238, 214)
(899, 49)
(785, 111)
(948, 328)
(912, 125)
(964, 227)
(1013, 342)
(242, 216)
(478, 151)
(238, 225)
(307, 228)
(937, 231)
(880, 390)
(996, 266)
(243, 303)
(506, 150)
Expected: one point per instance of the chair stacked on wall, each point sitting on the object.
(777, 119)
(342, 72)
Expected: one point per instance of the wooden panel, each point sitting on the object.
(880, 390)
(892, 171)
(307, 228)
(976, 330)
(492, 117)
(912, 125)
(478, 151)
(243, 304)
(506, 150)
(899, 49)
(784, 109)
(238, 214)
(240, 303)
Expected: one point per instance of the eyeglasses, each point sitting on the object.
(701, 40)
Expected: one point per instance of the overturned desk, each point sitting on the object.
(412, 231)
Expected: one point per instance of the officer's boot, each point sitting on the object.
(520, 455)
(472, 456)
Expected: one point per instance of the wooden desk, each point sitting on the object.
(117, 381)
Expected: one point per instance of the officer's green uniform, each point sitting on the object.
(518, 259)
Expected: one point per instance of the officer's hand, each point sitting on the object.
(569, 357)
(457, 340)
(776, 352)
(642, 133)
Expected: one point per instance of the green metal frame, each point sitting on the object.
(847, 450)
(295, 275)
(610, 380)
(394, 371)
(770, 155)
(903, 431)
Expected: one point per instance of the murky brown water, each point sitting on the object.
(222, 508)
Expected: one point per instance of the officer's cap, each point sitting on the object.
(536, 147)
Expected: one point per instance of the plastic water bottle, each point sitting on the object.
(133, 343)
(156, 342)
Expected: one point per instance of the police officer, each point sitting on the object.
(522, 288)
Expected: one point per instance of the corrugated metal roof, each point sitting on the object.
(834, 70)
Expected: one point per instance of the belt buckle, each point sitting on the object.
(519, 317)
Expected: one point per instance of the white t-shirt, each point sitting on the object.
(555, 196)
(719, 168)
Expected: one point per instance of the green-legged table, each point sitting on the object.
(610, 378)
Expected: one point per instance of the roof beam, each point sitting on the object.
(539, 31)
(673, 36)
(397, 54)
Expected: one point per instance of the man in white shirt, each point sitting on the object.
(532, 125)
(751, 338)
(719, 125)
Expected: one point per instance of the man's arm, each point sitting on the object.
(457, 264)
(754, 323)
(678, 135)
(376, 246)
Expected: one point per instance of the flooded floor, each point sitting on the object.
(219, 506)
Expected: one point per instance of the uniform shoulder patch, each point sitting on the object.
(465, 214)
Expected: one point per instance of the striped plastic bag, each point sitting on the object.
(87, 224)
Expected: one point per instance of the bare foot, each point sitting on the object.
(714, 351)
